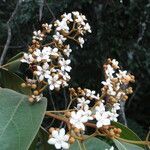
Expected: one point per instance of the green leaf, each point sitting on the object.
(14, 63)
(90, 144)
(126, 132)
(12, 81)
(18, 56)
(126, 146)
(20, 120)
(40, 141)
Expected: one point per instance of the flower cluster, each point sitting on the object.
(96, 109)
(84, 112)
(50, 63)
(116, 86)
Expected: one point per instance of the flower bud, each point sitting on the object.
(76, 130)
(33, 86)
(23, 85)
(36, 93)
(51, 129)
(71, 140)
(31, 99)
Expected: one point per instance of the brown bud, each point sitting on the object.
(36, 93)
(71, 140)
(23, 85)
(111, 133)
(76, 130)
(33, 41)
(31, 99)
(30, 50)
(33, 86)
(109, 60)
(68, 114)
(51, 129)
(119, 131)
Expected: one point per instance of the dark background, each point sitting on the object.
(120, 30)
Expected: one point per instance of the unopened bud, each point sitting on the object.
(31, 99)
(33, 86)
(51, 129)
(23, 85)
(71, 140)
(36, 93)
(68, 114)
(76, 130)
(30, 50)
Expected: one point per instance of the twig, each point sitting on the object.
(9, 33)
(51, 12)
(41, 9)
(122, 113)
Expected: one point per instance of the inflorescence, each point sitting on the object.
(50, 63)
(50, 66)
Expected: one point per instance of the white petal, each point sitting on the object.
(58, 146)
(51, 141)
(55, 133)
(62, 132)
(65, 145)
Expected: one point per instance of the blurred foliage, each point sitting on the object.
(120, 30)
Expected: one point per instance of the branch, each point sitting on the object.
(41, 9)
(9, 33)
(51, 12)
(122, 115)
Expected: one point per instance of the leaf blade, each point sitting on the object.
(20, 122)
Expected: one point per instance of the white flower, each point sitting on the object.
(58, 37)
(81, 41)
(87, 27)
(102, 119)
(67, 50)
(38, 35)
(47, 26)
(109, 71)
(54, 52)
(43, 72)
(59, 139)
(82, 102)
(65, 64)
(54, 82)
(100, 108)
(42, 55)
(62, 25)
(79, 18)
(111, 91)
(107, 82)
(116, 106)
(122, 74)
(67, 17)
(27, 58)
(115, 63)
(113, 116)
(77, 119)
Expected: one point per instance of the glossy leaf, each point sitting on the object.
(14, 63)
(12, 81)
(126, 146)
(126, 132)
(18, 56)
(20, 120)
(90, 144)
